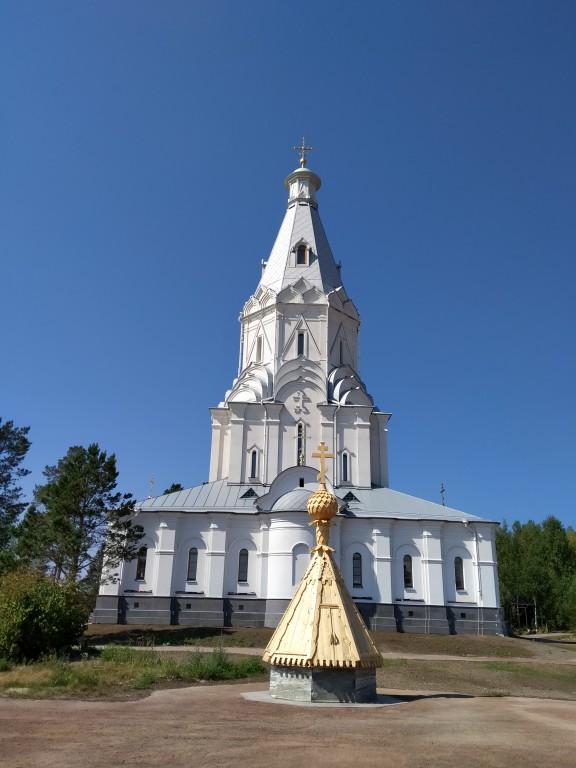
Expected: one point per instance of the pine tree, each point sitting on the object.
(78, 517)
(14, 445)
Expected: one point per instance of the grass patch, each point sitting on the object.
(118, 671)
(535, 671)
(387, 663)
(5, 665)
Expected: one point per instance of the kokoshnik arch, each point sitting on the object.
(233, 550)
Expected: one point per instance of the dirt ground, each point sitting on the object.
(216, 726)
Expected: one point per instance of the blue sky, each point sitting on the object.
(144, 147)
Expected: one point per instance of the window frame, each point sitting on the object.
(408, 571)
(459, 580)
(243, 559)
(301, 249)
(192, 573)
(253, 464)
(301, 343)
(345, 467)
(356, 569)
(300, 445)
(141, 562)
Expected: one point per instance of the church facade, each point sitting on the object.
(232, 550)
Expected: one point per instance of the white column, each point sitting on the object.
(362, 427)
(237, 447)
(216, 557)
(271, 464)
(432, 564)
(382, 562)
(164, 558)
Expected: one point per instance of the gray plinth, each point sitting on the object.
(323, 684)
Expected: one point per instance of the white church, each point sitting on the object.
(230, 552)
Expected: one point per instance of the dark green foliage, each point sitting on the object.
(38, 616)
(537, 570)
(174, 488)
(14, 445)
(79, 520)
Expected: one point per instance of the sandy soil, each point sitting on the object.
(215, 726)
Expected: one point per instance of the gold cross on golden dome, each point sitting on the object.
(322, 454)
(303, 149)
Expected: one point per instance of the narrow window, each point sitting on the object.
(300, 446)
(301, 340)
(341, 345)
(243, 566)
(192, 564)
(301, 255)
(141, 563)
(253, 463)
(408, 581)
(459, 573)
(259, 349)
(357, 570)
(345, 471)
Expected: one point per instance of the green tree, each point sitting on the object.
(14, 445)
(78, 518)
(38, 616)
(537, 570)
(174, 488)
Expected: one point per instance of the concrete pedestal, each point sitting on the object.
(323, 684)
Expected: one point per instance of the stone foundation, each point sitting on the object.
(242, 611)
(323, 684)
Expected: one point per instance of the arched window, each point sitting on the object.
(357, 569)
(141, 563)
(459, 573)
(301, 343)
(243, 566)
(300, 458)
(301, 255)
(408, 580)
(345, 468)
(253, 463)
(192, 564)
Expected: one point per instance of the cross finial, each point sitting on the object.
(151, 485)
(303, 149)
(322, 455)
(442, 492)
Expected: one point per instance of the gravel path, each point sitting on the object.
(216, 726)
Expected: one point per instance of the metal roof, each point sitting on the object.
(301, 222)
(385, 503)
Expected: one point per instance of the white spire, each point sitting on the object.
(301, 249)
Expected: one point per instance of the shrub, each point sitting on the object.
(38, 616)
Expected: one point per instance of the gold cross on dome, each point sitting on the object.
(303, 149)
(322, 455)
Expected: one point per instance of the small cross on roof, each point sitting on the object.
(303, 149)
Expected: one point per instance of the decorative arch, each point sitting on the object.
(465, 591)
(359, 574)
(408, 582)
(242, 553)
(182, 579)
